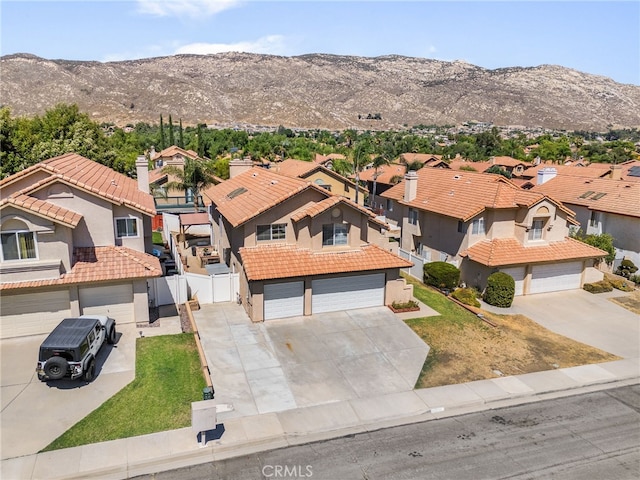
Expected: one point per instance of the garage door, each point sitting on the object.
(518, 275)
(555, 277)
(33, 313)
(347, 293)
(116, 301)
(283, 300)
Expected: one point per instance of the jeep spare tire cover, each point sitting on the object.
(56, 368)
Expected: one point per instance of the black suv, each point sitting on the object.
(71, 348)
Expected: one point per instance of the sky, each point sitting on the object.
(597, 37)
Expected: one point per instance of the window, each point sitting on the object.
(271, 232)
(18, 245)
(389, 205)
(535, 233)
(477, 227)
(334, 234)
(126, 227)
(413, 216)
(593, 221)
(461, 228)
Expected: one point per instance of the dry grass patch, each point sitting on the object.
(465, 349)
(631, 302)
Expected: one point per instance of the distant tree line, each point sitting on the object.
(25, 141)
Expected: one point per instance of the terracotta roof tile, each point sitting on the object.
(607, 195)
(44, 209)
(175, 150)
(509, 251)
(316, 208)
(295, 168)
(385, 173)
(99, 264)
(464, 195)
(286, 261)
(90, 176)
(252, 192)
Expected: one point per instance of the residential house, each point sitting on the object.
(301, 249)
(602, 205)
(484, 223)
(74, 237)
(321, 176)
(327, 160)
(172, 155)
(538, 174)
(379, 180)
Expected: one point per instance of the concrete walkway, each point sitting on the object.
(261, 426)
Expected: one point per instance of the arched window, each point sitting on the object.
(18, 243)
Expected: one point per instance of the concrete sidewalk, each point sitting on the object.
(237, 436)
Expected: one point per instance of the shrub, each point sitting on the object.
(618, 283)
(501, 288)
(598, 287)
(626, 268)
(635, 279)
(441, 275)
(405, 305)
(468, 296)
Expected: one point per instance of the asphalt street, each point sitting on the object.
(594, 435)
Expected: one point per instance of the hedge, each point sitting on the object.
(467, 296)
(441, 275)
(501, 288)
(598, 287)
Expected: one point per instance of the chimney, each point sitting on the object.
(238, 166)
(410, 185)
(616, 172)
(545, 174)
(142, 172)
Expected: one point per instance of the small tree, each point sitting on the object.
(171, 135)
(501, 288)
(441, 275)
(603, 241)
(626, 268)
(162, 139)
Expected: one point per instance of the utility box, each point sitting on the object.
(203, 418)
(207, 393)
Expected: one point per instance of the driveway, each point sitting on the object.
(588, 318)
(304, 361)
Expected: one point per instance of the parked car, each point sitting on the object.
(71, 348)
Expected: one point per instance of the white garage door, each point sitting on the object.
(347, 293)
(33, 313)
(555, 277)
(283, 300)
(518, 275)
(116, 301)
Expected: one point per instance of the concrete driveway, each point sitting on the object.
(305, 361)
(588, 318)
(35, 413)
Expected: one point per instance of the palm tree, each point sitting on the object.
(192, 178)
(378, 162)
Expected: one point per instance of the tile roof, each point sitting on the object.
(85, 174)
(464, 195)
(313, 209)
(44, 209)
(629, 174)
(419, 157)
(295, 168)
(325, 158)
(385, 173)
(194, 219)
(252, 192)
(271, 262)
(570, 170)
(509, 251)
(175, 150)
(620, 197)
(99, 264)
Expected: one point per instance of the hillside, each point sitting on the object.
(318, 91)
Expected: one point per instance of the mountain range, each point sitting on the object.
(318, 91)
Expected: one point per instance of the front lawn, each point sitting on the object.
(168, 379)
(464, 348)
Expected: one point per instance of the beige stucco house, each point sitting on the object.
(74, 237)
(301, 249)
(602, 205)
(322, 177)
(483, 223)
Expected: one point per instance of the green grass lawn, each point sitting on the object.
(168, 379)
(156, 238)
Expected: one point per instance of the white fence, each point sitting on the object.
(167, 290)
(418, 263)
(177, 289)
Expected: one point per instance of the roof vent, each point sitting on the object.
(254, 174)
(457, 177)
(273, 182)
